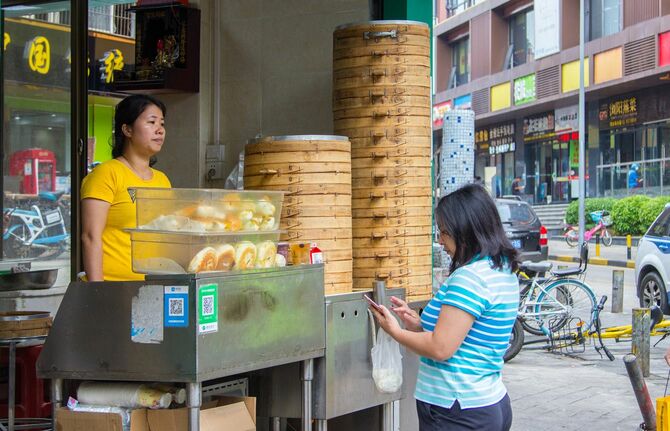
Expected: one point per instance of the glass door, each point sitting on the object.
(38, 166)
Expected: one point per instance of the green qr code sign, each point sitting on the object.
(208, 308)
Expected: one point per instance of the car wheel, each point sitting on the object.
(652, 292)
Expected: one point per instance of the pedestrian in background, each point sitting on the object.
(517, 186)
(465, 329)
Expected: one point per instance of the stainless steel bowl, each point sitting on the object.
(41, 279)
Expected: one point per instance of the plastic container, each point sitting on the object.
(161, 252)
(207, 210)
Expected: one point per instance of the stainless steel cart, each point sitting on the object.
(189, 329)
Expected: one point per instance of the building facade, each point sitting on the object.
(516, 64)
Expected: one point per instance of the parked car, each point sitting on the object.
(524, 229)
(652, 263)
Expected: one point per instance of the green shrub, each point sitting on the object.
(650, 210)
(626, 214)
(590, 205)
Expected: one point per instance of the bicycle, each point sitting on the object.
(602, 220)
(547, 304)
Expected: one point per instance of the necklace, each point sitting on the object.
(132, 168)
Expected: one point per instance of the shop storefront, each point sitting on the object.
(496, 146)
(547, 160)
(634, 144)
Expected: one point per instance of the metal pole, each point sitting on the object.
(12, 386)
(321, 425)
(641, 392)
(582, 128)
(629, 246)
(276, 423)
(193, 402)
(387, 417)
(379, 291)
(640, 347)
(597, 245)
(307, 377)
(56, 399)
(617, 291)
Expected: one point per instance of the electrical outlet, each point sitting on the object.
(213, 170)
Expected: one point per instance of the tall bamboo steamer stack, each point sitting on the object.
(382, 102)
(315, 173)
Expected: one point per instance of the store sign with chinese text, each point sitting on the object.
(438, 113)
(619, 112)
(496, 139)
(567, 119)
(524, 89)
(539, 127)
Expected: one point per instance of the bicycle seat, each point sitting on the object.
(536, 266)
(656, 316)
(566, 272)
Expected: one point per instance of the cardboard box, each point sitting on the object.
(224, 414)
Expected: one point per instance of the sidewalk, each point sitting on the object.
(615, 255)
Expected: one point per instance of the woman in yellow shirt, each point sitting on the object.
(107, 207)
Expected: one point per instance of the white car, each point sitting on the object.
(652, 264)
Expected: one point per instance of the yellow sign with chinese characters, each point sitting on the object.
(5, 41)
(39, 55)
(111, 62)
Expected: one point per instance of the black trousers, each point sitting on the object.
(497, 417)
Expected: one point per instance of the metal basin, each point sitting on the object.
(42, 279)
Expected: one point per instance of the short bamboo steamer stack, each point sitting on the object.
(315, 172)
(382, 102)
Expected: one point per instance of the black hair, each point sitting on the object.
(470, 217)
(127, 111)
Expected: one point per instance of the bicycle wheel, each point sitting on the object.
(515, 341)
(532, 322)
(606, 238)
(563, 300)
(572, 238)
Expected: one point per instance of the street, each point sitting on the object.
(550, 391)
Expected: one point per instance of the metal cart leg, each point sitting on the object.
(193, 402)
(307, 376)
(56, 399)
(275, 424)
(387, 417)
(321, 425)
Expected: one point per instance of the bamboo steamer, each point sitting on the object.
(409, 283)
(382, 102)
(388, 243)
(397, 121)
(378, 112)
(386, 193)
(380, 51)
(385, 233)
(376, 91)
(409, 143)
(315, 173)
(392, 222)
(407, 81)
(390, 203)
(287, 169)
(16, 324)
(319, 199)
(401, 27)
(355, 41)
(379, 71)
(420, 297)
(378, 174)
(396, 272)
(391, 182)
(321, 211)
(394, 212)
(394, 252)
(381, 132)
(381, 61)
(261, 181)
(391, 162)
(394, 262)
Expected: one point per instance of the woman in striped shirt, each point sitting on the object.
(464, 330)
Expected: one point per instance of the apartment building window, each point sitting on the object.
(604, 18)
(521, 38)
(460, 63)
(456, 6)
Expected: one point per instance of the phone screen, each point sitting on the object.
(373, 303)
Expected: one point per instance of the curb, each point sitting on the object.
(595, 261)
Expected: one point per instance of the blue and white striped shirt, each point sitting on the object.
(473, 374)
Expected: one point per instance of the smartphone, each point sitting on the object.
(373, 303)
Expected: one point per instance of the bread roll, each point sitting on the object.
(265, 256)
(245, 255)
(205, 260)
(268, 223)
(225, 257)
(265, 208)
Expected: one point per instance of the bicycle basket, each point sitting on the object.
(607, 220)
(596, 216)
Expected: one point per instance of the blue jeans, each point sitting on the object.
(497, 417)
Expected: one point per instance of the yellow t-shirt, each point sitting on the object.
(109, 182)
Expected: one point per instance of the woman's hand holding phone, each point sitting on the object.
(409, 317)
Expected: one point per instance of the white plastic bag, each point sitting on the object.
(386, 363)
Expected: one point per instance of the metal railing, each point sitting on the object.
(612, 179)
(112, 19)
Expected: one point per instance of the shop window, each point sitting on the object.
(604, 18)
(521, 38)
(460, 60)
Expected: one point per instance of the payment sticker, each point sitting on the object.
(208, 308)
(175, 307)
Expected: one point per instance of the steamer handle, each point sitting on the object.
(268, 172)
(379, 34)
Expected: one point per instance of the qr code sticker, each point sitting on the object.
(208, 305)
(176, 307)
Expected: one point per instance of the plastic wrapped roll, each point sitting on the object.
(128, 395)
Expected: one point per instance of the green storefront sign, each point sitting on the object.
(524, 89)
